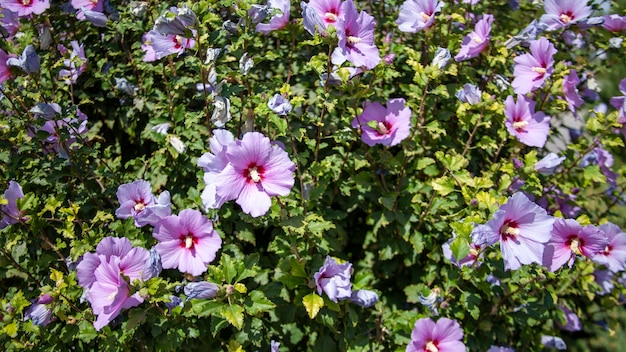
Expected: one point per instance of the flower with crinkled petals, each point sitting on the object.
(523, 228)
(187, 241)
(531, 70)
(475, 42)
(364, 298)
(334, 279)
(563, 13)
(548, 164)
(445, 335)
(469, 94)
(528, 126)
(137, 201)
(214, 163)
(384, 125)
(256, 171)
(279, 105)
(319, 14)
(614, 255)
(355, 32)
(568, 239)
(10, 213)
(157, 46)
(201, 290)
(5, 73)
(24, 8)
(614, 23)
(417, 15)
(75, 65)
(281, 8)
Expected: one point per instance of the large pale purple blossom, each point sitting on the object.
(214, 163)
(24, 8)
(187, 241)
(9, 23)
(570, 91)
(256, 171)
(523, 228)
(619, 102)
(319, 14)
(384, 125)
(10, 213)
(445, 335)
(334, 279)
(563, 13)
(531, 70)
(475, 42)
(5, 73)
(137, 201)
(355, 32)
(416, 15)
(614, 23)
(281, 8)
(157, 46)
(614, 255)
(568, 239)
(528, 126)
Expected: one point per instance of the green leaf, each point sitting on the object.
(313, 303)
(257, 303)
(233, 314)
(460, 249)
(444, 185)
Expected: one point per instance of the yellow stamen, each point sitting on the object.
(574, 246)
(518, 125)
(353, 40)
(424, 16)
(539, 70)
(139, 207)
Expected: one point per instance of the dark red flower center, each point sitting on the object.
(254, 173)
(383, 128)
(575, 243)
(509, 230)
(188, 241)
(566, 17)
(431, 346)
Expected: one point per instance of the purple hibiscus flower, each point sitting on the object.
(568, 239)
(201, 290)
(137, 201)
(281, 8)
(5, 73)
(10, 213)
(279, 105)
(548, 164)
(40, 312)
(355, 32)
(528, 126)
(63, 133)
(334, 279)
(563, 13)
(523, 228)
(614, 255)
(256, 171)
(384, 125)
(187, 241)
(445, 335)
(475, 42)
(619, 102)
(500, 349)
(603, 158)
(469, 94)
(24, 8)
(214, 163)
(416, 15)
(157, 46)
(614, 23)
(476, 247)
(531, 70)
(570, 91)
(572, 321)
(319, 14)
(9, 23)
(75, 65)
(364, 298)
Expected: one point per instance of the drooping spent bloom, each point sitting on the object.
(500, 349)
(274, 346)
(614, 23)
(10, 213)
(416, 15)
(28, 62)
(384, 125)
(548, 164)
(445, 335)
(75, 65)
(201, 290)
(475, 42)
(40, 312)
(177, 21)
(9, 23)
(187, 241)
(319, 14)
(532, 69)
(529, 33)
(604, 279)
(334, 279)
(98, 19)
(523, 228)
(137, 201)
(614, 255)
(24, 8)
(100, 274)
(553, 342)
(528, 126)
(570, 91)
(568, 239)
(279, 105)
(256, 171)
(469, 94)
(442, 58)
(281, 10)
(258, 13)
(572, 321)
(213, 163)
(364, 298)
(355, 32)
(563, 13)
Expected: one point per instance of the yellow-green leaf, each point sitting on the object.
(233, 314)
(313, 303)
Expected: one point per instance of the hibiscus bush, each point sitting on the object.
(328, 175)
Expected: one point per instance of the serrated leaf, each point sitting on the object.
(443, 185)
(460, 249)
(423, 162)
(233, 314)
(312, 303)
(257, 303)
